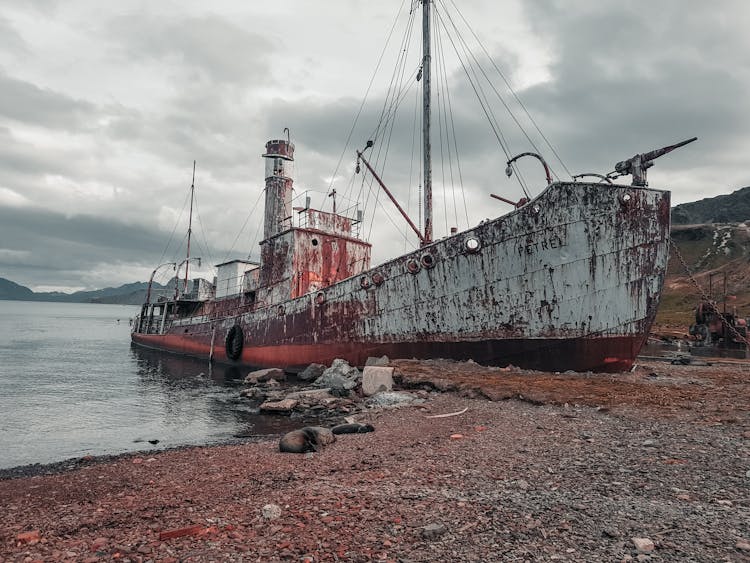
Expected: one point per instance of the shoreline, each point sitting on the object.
(555, 467)
(435, 381)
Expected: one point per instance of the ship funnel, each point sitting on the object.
(279, 155)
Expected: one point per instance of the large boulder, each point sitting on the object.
(376, 379)
(263, 375)
(284, 406)
(374, 361)
(311, 372)
(339, 377)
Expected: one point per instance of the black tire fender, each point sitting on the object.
(234, 342)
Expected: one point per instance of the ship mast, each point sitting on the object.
(190, 228)
(426, 122)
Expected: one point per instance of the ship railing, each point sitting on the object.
(351, 211)
(188, 321)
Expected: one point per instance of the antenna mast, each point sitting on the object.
(426, 121)
(190, 228)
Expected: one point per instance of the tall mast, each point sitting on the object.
(190, 228)
(426, 121)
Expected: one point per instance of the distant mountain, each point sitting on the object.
(128, 294)
(731, 208)
(12, 291)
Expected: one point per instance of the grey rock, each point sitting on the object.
(271, 511)
(392, 399)
(376, 379)
(281, 407)
(433, 531)
(339, 377)
(643, 545)
(262, 375)
(311, 372)
(381, 361)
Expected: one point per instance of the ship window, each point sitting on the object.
(472, 244)
(314, 242)
(428, 260)
(412, 266)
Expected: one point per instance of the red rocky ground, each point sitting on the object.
(581, 468)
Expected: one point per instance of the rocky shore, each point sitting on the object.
(484, 464)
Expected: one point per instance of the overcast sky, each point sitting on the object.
(105, 105)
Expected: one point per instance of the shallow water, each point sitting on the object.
(71, 385)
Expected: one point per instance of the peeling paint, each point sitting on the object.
(569, 281)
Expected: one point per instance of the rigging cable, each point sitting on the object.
(411, 160)
(440, 110)
(388, 118)
(174, 230)
(247, 219)
(455, 147)
(448, 118)
(513, 92)
(364, 100)
(483, 102)
(387, 115)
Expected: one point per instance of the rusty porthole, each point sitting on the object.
(428, 261)
(626, 199)
(535, 209)
(280, 310)
(364, 282)
(320, 298)
(413, 266)
(472, 244)
(378, 278)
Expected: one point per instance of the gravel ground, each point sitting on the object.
(539, 467)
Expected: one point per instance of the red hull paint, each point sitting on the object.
(601, 354)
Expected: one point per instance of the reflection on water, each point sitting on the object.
(192, 389)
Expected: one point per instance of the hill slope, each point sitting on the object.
(730, 208)
(712, 253)
(128, 294)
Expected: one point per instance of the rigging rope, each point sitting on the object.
(364, 100)
(513, 92)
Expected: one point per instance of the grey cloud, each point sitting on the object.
(26, 102)
(10, 40)
(215, 49)
(45, 241)
(625, 80)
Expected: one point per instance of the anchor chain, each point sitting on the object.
(703, 294)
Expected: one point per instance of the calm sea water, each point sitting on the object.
(71, 385)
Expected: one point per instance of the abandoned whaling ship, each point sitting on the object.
(570, 279)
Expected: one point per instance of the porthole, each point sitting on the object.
(535, 209)
(626, 198)
(412, 265)
(472, 244)
(378, 278)
(280, 310)
(320, 298)
(427, 260)
(314, 242)
(364, 282)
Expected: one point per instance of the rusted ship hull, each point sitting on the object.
(571, 280)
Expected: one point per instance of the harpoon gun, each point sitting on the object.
(638, 164)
